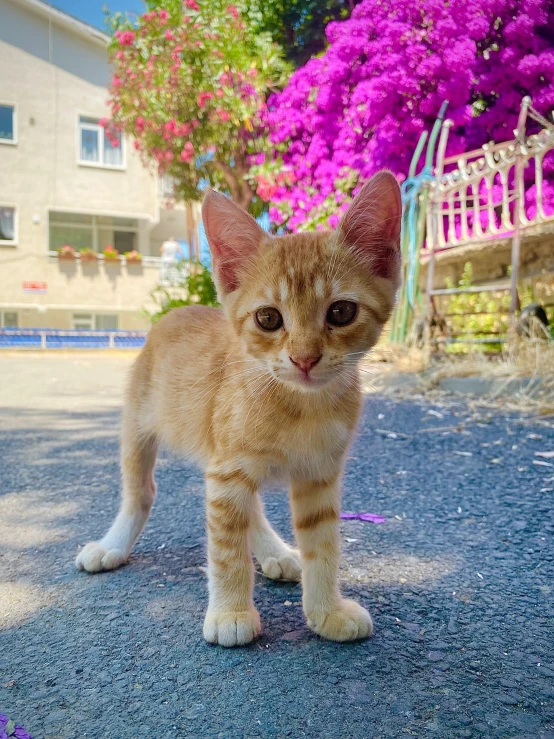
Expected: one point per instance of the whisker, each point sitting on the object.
(221, 366)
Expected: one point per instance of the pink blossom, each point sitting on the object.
(187, 153)
(125, 38)
(192, 4)
(201, 99)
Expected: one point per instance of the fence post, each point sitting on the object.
(436, 219)
(519, 201)
(111, 344)
(43, 339)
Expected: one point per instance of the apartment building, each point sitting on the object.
(62, 182)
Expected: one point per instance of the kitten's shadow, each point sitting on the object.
(177, 563)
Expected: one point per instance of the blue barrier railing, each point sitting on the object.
(45, 338)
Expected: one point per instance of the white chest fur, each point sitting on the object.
(314, 454)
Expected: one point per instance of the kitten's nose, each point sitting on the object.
(305, 363)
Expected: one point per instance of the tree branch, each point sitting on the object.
(241, 192)
(230, 178)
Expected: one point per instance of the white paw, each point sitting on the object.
(348, 622)
(94, 557)
(285, 567)
(231, 628)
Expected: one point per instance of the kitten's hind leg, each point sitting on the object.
(277, 560)
(138, 457)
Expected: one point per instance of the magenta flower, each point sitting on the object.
(363, 104)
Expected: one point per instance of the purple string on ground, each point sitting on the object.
(370, 517)
(18, 731)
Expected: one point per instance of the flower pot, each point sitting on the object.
(67, 257)
(133, 260)
(89, 258)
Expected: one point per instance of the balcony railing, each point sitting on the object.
(38, 338)
(487, 193)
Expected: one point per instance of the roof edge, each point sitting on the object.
(66, 21)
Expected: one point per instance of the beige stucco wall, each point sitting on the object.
(52, 76)
(31, 317)
(96, 287)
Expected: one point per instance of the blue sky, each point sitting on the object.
(91, 10)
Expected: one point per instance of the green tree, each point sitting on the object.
(190, 86)
(299, 25)
(193, 287)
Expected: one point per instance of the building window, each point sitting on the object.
(98, 147)
(82, 321)
(92, 232)
(9, 319)
(7, 124)
(106, 322)
(7, 225)
(100, 322)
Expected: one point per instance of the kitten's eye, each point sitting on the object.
(269, 319)
(342, 313)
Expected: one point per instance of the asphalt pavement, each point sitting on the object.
(459, 580)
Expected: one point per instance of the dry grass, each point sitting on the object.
(531, 359)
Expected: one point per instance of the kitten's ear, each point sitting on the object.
(371, 225)
(233, 236)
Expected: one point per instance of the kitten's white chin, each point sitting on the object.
(308, 385)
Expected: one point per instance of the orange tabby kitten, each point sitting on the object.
(266, 388)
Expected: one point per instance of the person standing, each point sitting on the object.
(170, 251)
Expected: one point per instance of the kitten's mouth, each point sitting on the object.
(306, 381)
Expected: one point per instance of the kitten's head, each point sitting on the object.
(309, 306)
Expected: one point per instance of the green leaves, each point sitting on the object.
(299, 25)
(476, 315)
(194, 288)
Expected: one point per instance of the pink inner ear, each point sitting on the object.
(371, 226)
(233, 236)
(227, 266)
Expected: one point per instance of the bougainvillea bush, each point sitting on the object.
(190, 85)
(363, 104)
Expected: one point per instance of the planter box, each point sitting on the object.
(133, 260)
(89, 258)
(67, 257)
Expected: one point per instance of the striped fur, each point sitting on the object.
(215, 386)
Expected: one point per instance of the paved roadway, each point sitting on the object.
(459, 581)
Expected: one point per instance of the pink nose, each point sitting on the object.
(305, 363)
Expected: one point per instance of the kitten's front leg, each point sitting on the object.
(231, 618)
(315, 508)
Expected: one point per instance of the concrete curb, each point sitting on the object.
(495, 387)
(492, 387)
